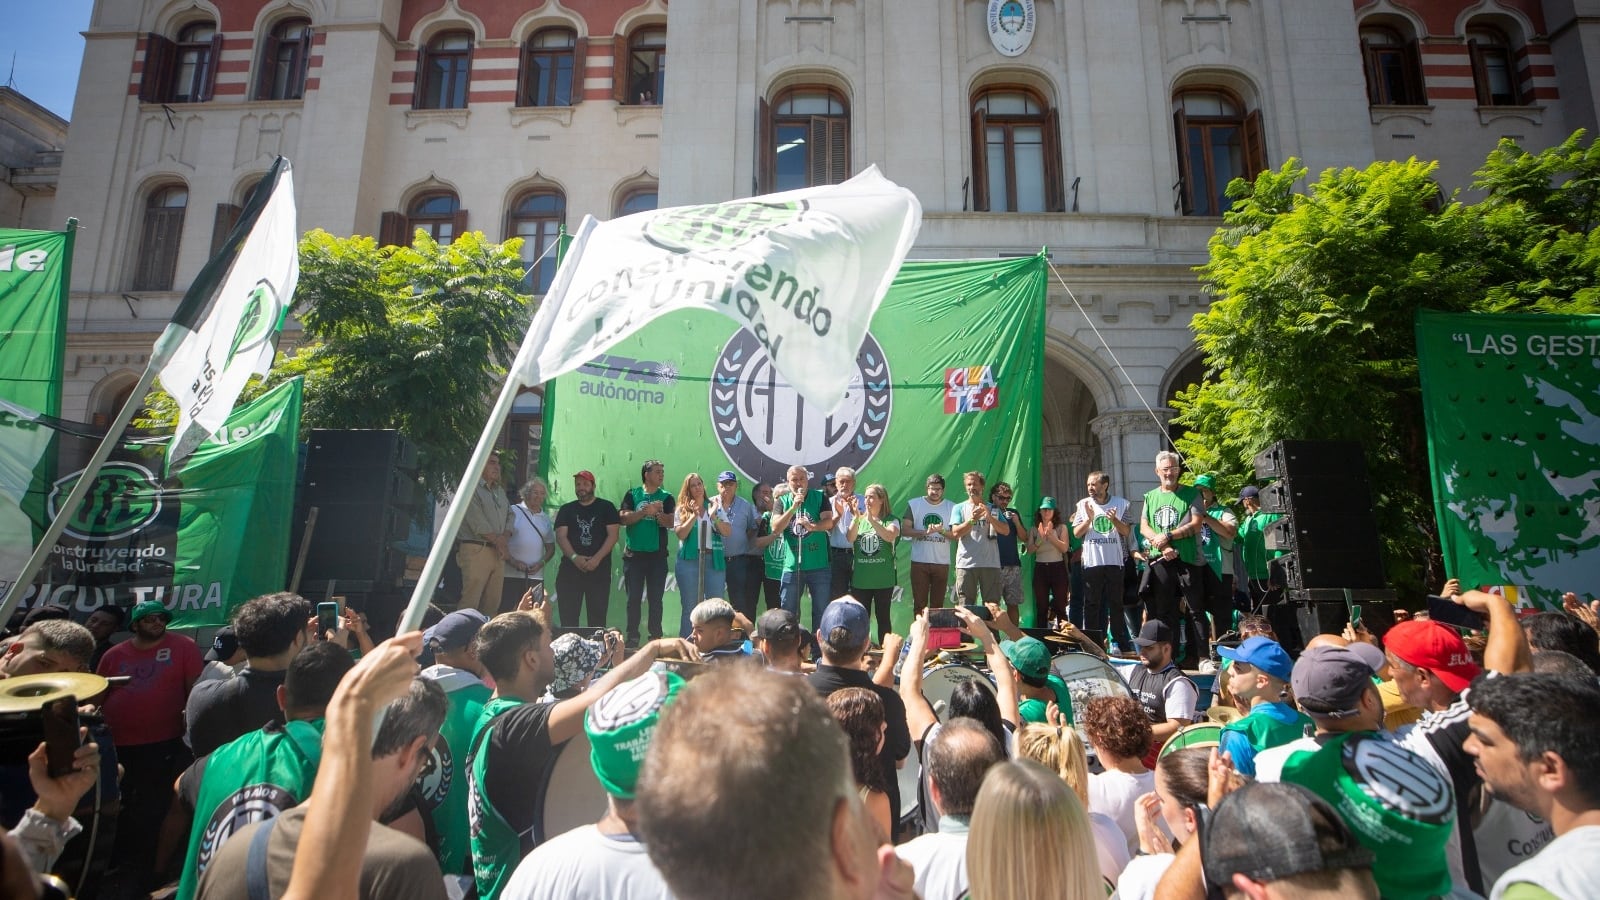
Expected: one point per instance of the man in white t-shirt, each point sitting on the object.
(532, 544)
(956, 762)
(926, 526)
(607, 859)
(1101, 522)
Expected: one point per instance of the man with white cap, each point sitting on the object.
(607, 859)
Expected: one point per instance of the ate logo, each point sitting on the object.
(970, 389)
(765, 426)
(123, 500)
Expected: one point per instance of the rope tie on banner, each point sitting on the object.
(1160, 426)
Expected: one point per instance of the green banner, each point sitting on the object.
(202, 541)
(1512, 404)
(949, 380)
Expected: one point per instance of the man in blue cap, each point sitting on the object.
(1259, 680)
(443, 781)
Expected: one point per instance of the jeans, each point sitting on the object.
(841, 566)
(793, 582)
(744, 583)
(1172, 582)
(692, 576)
(589, 592)
(644, 576)
(1102, 602)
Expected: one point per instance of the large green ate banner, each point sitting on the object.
(210, 536)
(1512, 404)
(948, 380)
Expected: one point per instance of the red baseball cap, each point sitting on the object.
(1429, 645)
(584, 475)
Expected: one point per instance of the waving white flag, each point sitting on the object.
(226, 329)
(803, 270)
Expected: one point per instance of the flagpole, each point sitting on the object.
(69, 506)
(538, 330)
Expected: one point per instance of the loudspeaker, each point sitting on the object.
(1330, 612)
(1328, 531)
(363, 485)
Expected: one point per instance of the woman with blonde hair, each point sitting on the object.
(1030, 839)
(873, 533)
(700, 525)
(1059, 749)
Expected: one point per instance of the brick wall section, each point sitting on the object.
(236, 68)
(1447, 67)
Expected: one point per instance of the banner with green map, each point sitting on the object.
(948, 380)
(1512, 405)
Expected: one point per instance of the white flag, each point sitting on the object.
(803, 270)
(226, 329)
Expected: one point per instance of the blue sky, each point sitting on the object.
(45, 38)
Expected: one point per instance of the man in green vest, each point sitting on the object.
(516, 739)
(1171, 524)
(804, 518)
(443, 781)
(263, 773)
(1259, 680)
(1263, 579)
(646, 513)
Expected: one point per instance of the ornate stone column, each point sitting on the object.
(1064, 469)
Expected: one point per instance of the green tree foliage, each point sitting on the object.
(1310, 331)
(412, 338)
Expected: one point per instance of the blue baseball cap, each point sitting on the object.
(456, 630)
(1263, 653)
(849, 614)
(727, 475)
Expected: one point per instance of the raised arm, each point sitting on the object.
(919, 713)
(1005, 683)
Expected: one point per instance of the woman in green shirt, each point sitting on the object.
(873, 537)
(701, 524)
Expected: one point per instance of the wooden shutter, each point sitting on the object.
(1480, 74)
(1416, 90)
(158, 249)
(980, 160)
(1255, 145)
(458, 224)
(839, 151)
(267, 67)
(420, 82)
(297, 79)
(580, 62)
(155, 82)
(766, 148)
(619, 69)
(392, 230)
(1369, 62)
(227, 217)
(1055, 195)
(828, 157)
(1180, 128)
(208, 84)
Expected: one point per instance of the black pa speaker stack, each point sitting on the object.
(1329, 535)
(364, 486)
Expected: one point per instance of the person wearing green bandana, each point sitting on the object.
(608, 858)
(262, 773)
(514, 740)
(1171, 523)
(1398, 805)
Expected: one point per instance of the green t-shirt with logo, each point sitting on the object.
(1252, 533)
(1217, 550)
(874, 560)
(772, 557)
(1166, 510)
(644, 536)
(806, 551)
(443, 779)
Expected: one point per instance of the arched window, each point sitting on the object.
(285, 55)
(537, 217)
(181, 71)
(1016, 152)
(1393, 67)
(806, 139)
(159, 237)
(641, 74)
(439, 214)
(444, 70)
(548, 66)
(1494, 71)
(1217, 142)
(639, 199)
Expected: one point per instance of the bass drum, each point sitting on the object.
(572, 794)
(1200, 734)
(1087, 677)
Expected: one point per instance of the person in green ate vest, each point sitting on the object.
(262, 773)
(873, 535)
(515, 739)
(443, 782)
(1171, 524)
(1259, 681)
(804, 518)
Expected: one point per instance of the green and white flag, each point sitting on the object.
(34, 270)
(803, 271)
(226, 329)
(948, 379)
(201, 541)
(1512, 405)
